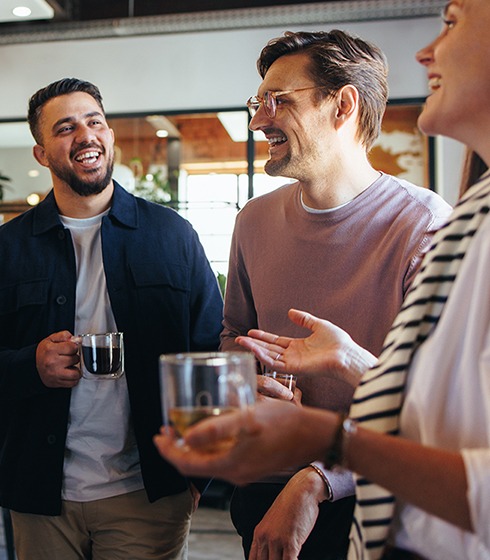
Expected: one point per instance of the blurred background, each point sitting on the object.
(175, 77)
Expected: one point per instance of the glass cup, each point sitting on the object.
(195, 386)
(102, 355)
(286, 379)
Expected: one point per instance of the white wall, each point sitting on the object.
(16, 163)
(190, 70)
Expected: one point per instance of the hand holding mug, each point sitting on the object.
(56, 360)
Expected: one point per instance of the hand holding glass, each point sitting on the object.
(286, 379)
(196, 386)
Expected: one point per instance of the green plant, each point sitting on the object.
(222, 283)
(4, 180)
(154, 187)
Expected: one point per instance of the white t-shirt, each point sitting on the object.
(101, 456)
(447, 405)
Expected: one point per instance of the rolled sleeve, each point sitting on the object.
(341, 481)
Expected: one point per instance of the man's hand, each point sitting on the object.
(328, 351)
(196, 496)
(56, 360)
(268, 387)
(291, 518)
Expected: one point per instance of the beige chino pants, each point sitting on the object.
(125, 527)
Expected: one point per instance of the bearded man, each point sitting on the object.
(78, 468)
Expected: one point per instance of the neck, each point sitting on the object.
(339, 185)
(72, 205)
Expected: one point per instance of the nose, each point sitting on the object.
(260, 119)
(85, 134)
(425, 56)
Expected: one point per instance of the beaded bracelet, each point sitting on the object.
(335, 456)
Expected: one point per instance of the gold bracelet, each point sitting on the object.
(335, 456)
(329, 497)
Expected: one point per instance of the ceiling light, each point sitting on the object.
(159, 122)
(33, 199)
(26, 10)
(161, 133)
(236, 124)
(22, 11)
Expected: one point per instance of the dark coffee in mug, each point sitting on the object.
(101, 361)
(102, 355)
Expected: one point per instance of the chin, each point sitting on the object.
(426, 123)
(271, 169)
(276, 168)
(433, 119)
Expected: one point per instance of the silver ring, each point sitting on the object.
(277, 357)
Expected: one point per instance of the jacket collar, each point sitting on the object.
(123, 209)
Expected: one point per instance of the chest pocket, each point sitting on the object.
(158, 275)
(25, 294)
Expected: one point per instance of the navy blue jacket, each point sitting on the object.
(165, 298)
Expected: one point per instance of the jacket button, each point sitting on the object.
(51, 439)
(61, 234)
(61, 300)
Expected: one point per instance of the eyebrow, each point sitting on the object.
(72, 119)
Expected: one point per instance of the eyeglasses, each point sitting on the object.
(269, 101)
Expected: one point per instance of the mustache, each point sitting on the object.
(84, 146)
(272, 131)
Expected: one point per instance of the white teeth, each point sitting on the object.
(434, 83)
(275, 139)
(88, 157)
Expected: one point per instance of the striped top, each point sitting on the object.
(379, 398)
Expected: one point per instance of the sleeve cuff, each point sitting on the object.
(340, 481)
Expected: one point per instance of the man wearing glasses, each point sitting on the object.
(343, 242)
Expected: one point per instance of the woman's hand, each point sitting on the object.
(269, 436)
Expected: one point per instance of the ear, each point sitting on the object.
(40, 155)
(347, 104)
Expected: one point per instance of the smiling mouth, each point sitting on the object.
(277, 140)
(88, 157)
(434, 83)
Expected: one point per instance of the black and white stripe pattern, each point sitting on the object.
(378, 399)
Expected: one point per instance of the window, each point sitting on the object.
(199, 164)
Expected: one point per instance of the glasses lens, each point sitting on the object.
(270, 104)
(253, 105)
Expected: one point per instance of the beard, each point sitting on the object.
(278, 167)
(83, 187)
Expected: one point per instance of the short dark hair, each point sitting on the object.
(61, 87)
(338, 59)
